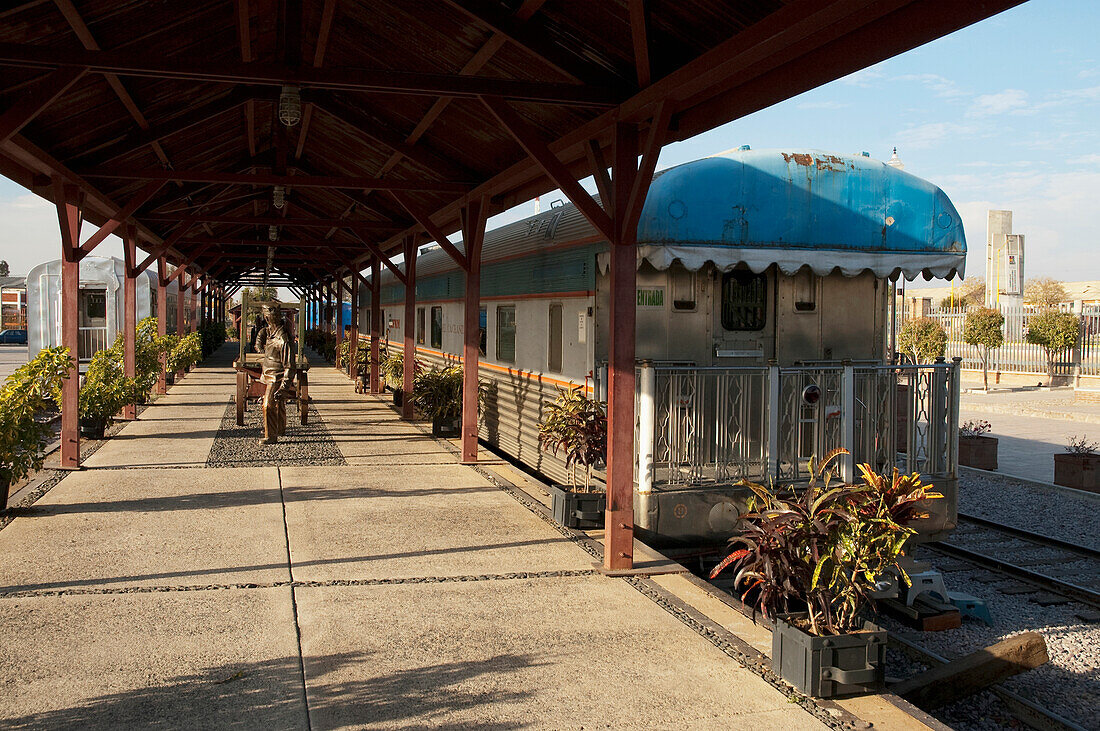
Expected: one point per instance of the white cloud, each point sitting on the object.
(1088, 73)
(822, 105)
(923, 136)
(940, 85)
(1003, 102)
(864, 78)
(30, 235)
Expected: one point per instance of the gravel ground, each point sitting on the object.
(1069, 684)
(238, 446)
(1016, 503)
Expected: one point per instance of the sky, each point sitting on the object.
(1003, 114)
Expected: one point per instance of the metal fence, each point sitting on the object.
(712, 426)
(91, 340)
(1017, 355)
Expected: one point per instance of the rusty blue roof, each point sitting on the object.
(796, 208)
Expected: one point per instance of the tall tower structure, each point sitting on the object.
(1004, 262)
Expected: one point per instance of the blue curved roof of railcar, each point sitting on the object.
(799, 208)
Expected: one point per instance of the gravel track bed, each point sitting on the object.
(1069, 684)
(1021, 505)
(238, 446)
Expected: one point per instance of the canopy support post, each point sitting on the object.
(375, 325)
(129, 359)
(473, 236)
(407, 411)
(69, 215)
(162, 322)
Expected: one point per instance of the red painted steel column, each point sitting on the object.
(353, 348)
(69, 217)
(375, 324)
(194, 302)
(339, 319)
(619, 518)
(473, 235)
(129, 318)
(162, 322)
(410, 332)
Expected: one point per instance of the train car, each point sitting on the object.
(100, 304)
(764, 277)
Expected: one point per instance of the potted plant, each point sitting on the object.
(975, 448)
(103, 393)
(810, 561)
(167, 345)
(575, 424)
(1079, 465)
(25, 395)
(438, 395)
(392, 369)
(183, 352)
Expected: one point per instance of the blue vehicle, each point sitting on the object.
(13, 337)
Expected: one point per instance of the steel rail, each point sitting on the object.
(1073, 591)
(1045, 540)
(1026, 711)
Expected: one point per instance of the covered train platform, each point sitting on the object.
(307, 144)
(183, 582)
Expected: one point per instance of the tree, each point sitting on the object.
(972, 290)
(1045, 291)
(984, 329)
(922, 339)
(5, 271)
(1054, 332)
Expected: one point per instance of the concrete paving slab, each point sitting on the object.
(569, 652)
(121, 528)
(349, 523)
(206, 659)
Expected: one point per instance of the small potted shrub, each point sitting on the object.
(168, 345)
(392, 369)
(975, 448)
(184, 352)
(103, 394)
(575, 424)
(811, 561)
(1078, 466)
(24, 397)
(438, 395)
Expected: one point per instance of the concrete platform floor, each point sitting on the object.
(402, 591)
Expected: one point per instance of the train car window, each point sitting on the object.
(419, 325)
(683, 290)
(554, 341)
(483, 327)
(805, 290)
(437, 327)
(506, 333)
(744, 301)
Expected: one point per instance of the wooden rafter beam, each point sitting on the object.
(351, 224)
(265, 243)
(434, 231)
(529, 139)
(492, 17)
(155, 132)
(36, 99)
(639, 35)
(299, 181)
(125, 63)
(141, 198)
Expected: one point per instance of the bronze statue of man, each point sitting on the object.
(277, 345)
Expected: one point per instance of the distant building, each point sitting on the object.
(13, 303)
(1004, 262)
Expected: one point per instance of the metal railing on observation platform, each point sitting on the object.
(698, 427)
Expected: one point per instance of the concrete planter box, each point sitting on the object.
(577, 509)
(827, 667)
(980, 452)
(1078, 471)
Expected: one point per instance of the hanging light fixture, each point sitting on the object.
(290, 106)
(273, 233)
(278, 196)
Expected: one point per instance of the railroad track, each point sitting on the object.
(1005, 549)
